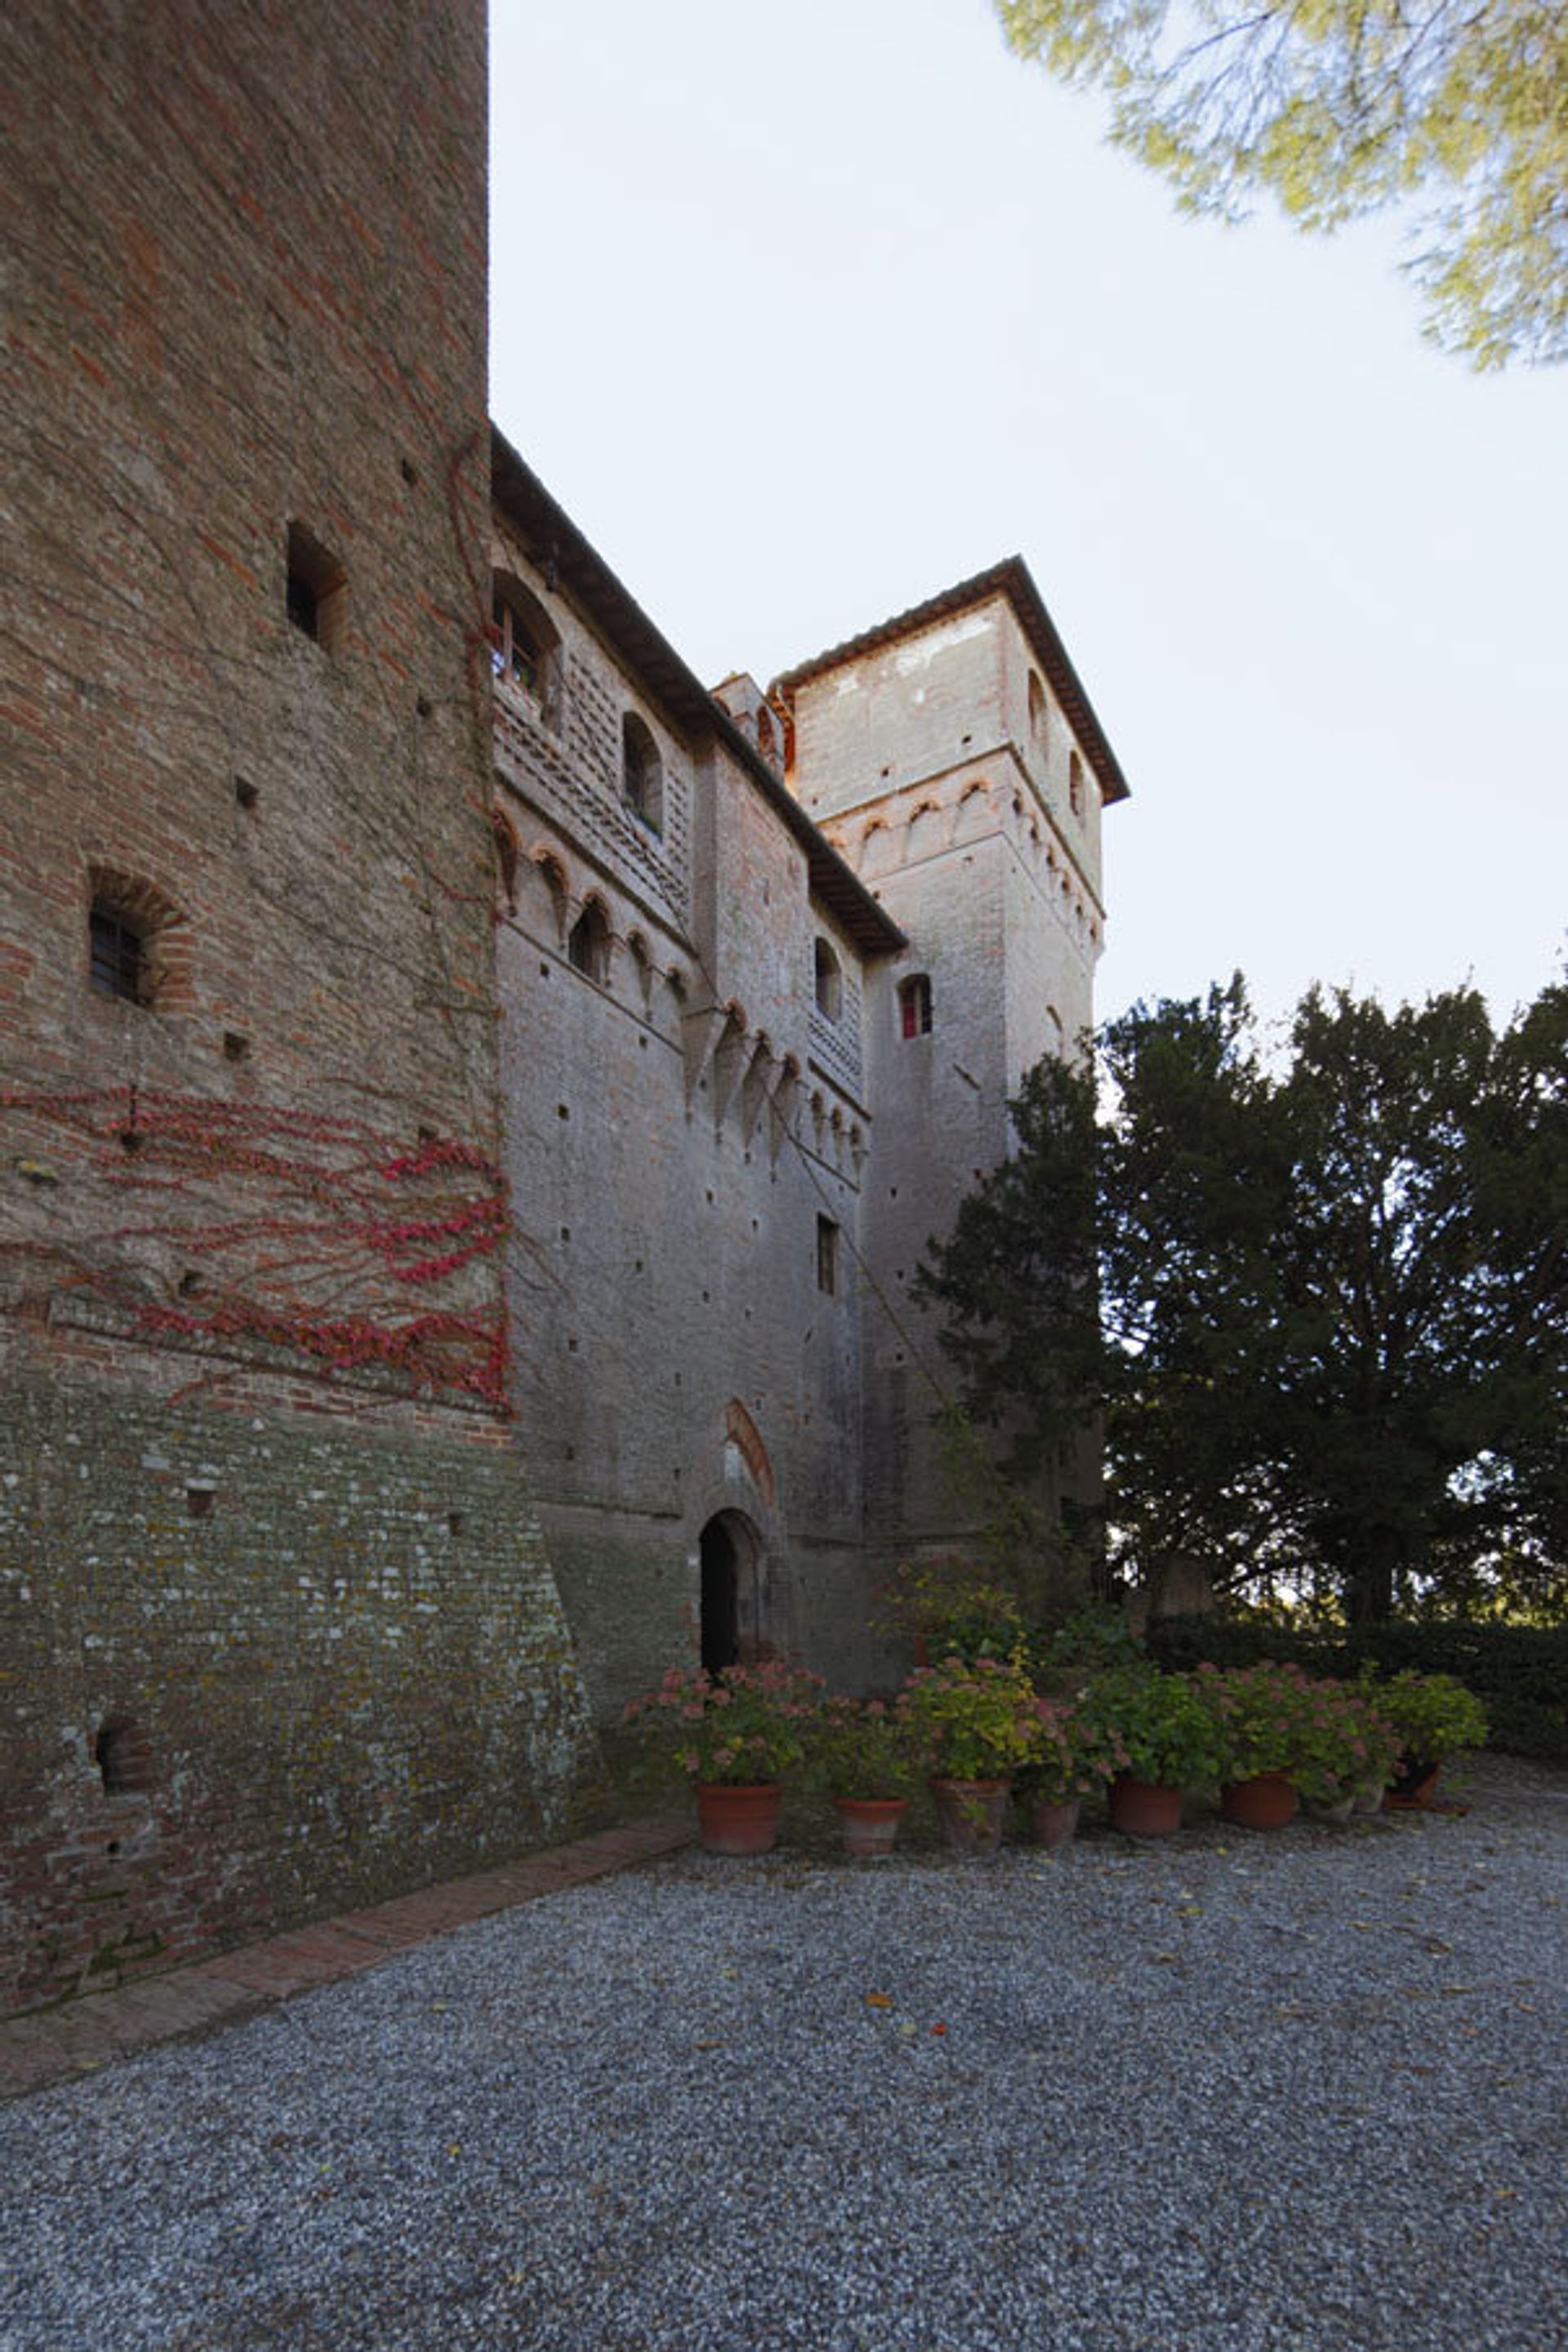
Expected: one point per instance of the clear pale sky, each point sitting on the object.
(804, 312)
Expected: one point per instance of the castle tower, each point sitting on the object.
(277, 1629)
(953, 759)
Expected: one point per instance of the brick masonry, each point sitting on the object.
(402, 1290)
(256, 1499)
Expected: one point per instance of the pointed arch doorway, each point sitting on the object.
(730, 1551)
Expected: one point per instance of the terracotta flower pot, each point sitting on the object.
(738, 1820)
(1265, 1801)
(971, 1814)
(1053, 1825)
(869, 1825)
(1143, 1808)
(1414, 1788)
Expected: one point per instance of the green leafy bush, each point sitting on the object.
(861, 1747)
(972, 1720)
(1519, 1672)
(1164, 1728)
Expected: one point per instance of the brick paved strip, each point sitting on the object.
(52, 2044)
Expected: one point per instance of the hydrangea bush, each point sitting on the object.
(745, 1726)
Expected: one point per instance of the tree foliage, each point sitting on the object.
(1330, 1335)
(1338, 108)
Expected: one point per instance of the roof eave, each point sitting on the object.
(1012, 579)
(559, 549)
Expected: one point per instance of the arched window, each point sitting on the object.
(138, 942)
(914, 1005)
(588, 945)
(828, 980)
(525, 648)
(642, 771)
(1039, 714)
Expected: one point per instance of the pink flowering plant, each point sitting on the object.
(1350, 1745)
(1326, 1738)
(861, 1747)
(740, 1729)
(971, 1720)
(1073, 1752)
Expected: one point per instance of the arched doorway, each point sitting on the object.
(721, 1595)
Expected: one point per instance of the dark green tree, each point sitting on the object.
(1328, 1336)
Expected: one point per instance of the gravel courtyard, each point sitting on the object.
(1304, 2090)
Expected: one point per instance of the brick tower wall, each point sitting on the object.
(276, 1625)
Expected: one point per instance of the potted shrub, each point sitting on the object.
(949, 1608)
(1344, 1746)
(1259, 1714)
(1436, 1717)
(972, 1723)
(1169, 1737)
(734, 1735)
(860, 1754)
(1072, 1754)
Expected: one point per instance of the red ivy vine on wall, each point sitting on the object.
(277, 1228)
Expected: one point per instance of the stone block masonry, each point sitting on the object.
(440, 1052)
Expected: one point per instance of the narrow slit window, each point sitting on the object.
(827, 1256)
(318, 594)
(827, 981)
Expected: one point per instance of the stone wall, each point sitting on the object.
(674, 1137)
(940, 765)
